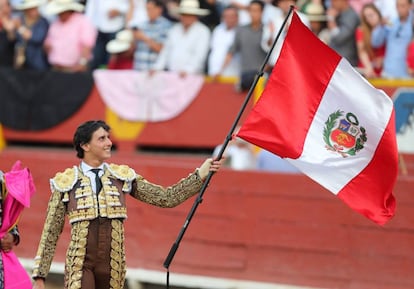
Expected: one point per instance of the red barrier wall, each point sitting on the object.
(256, 226)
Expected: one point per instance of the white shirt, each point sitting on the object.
(277, 24)
(221, 40)
(185, 51)
(97, 11)
(139, 15)
(86, 169)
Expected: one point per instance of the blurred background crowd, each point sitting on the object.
(211, 37)
(218, 38)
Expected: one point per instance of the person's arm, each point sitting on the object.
(169, 197)
(151, 43)
(162, 58)
(38, 34)
(52, 229)
(378, 36)
(87, 42)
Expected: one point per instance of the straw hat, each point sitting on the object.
(315, 12)
(121, 43)
(27, 4)
(60, 6)
(191, 7)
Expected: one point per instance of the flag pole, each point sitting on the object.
(228, 138)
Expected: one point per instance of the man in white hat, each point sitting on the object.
(71, 37)
(187, 45)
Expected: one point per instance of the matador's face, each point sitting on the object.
(99, 147)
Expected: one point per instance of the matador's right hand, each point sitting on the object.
(39, 283)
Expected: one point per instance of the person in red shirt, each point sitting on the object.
(370, 58)
(121, 50)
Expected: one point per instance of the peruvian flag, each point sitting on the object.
(327, 120)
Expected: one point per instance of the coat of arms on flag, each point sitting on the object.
(344, 136)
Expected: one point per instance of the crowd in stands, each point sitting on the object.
(213, 37)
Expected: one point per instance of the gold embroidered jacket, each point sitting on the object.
(72, 195)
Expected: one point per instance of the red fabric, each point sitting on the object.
(297, 111)
(120, 62)
(410, 55)
(378, 178)
(281, 120)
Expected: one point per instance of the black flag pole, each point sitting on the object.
(228, 138)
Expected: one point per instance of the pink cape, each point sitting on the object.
(20, 188)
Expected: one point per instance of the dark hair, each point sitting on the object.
(158, 3)
(259, 2)
(84, 134)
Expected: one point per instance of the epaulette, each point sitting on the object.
(122, 172)
(63, 182)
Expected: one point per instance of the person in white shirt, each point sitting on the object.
(221, 40)
(271, 29)
(188, 42)
(109, 17)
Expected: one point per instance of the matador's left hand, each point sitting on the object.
(209, 165)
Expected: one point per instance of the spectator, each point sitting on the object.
(370, 59)
(267, 161)
(186, 48)
(247, 43)
(121, 50)
(221, 40)
(8, 27)
(396, 37)
(150, 37)
(31, 35)
(109, 17)
(316, 15)
(342, 23)
(272, 28)
(70, 38)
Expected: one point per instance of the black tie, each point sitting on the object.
(98, 181)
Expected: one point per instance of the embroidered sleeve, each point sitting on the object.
(55, 220)
(167, 197)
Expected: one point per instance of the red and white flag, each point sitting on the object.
(327, 120)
